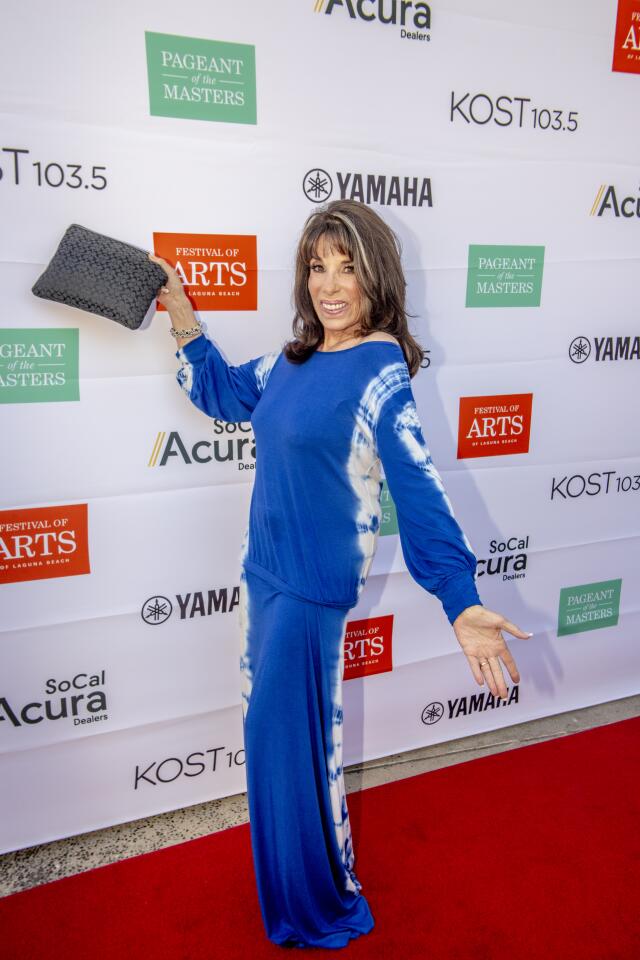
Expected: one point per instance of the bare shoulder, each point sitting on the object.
(381, 335)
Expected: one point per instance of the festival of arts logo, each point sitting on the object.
(493, 426)
(196, 79)
(626, 44)
(589, 606)
(499, 276)
(218, 271)
(38, 365)
(37, 543)
(367, 646)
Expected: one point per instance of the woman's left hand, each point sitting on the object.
(479, 634)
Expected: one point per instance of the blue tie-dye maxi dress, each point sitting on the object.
(322, 429)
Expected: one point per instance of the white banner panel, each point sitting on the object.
(514, 193)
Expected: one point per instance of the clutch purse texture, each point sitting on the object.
(105, 276)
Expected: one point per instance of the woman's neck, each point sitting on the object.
(335, 343)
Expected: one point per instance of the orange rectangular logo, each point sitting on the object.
(494, 426)
(367, 646)
(41, 542)
(626, 45)
(218, 271)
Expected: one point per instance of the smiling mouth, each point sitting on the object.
(333, 307)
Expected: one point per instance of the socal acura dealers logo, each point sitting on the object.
(381, 188)
(81, 700)
(608, 198)
(238, 450)
(412, 18)
(508, 558)
(605, 348)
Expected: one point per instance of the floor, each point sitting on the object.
(27, 868)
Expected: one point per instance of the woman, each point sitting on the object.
(327, 411)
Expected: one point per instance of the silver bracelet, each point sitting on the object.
(185, 333)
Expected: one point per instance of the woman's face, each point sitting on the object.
(334, 290)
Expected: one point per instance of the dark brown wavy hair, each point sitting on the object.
(354, 230)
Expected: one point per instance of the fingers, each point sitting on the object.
(516, 631)
(475, 669)
(166, 267)
(492, 673)
(488, 668)
(510, 664)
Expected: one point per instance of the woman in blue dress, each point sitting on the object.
(329, 411)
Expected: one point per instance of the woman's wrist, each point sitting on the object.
(183, 318)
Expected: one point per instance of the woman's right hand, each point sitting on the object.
(171, 294)
(173, 298)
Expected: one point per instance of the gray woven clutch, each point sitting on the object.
(108, 277)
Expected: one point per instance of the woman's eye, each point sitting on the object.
(316, 266)
(349, 268)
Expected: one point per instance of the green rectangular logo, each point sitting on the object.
(500, 276)
(389, 517)
(38, 365)
(201, 79)
(589, 606)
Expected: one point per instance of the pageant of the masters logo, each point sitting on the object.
(38, 365)
(589, 606)
(500, 276)
(197, 79)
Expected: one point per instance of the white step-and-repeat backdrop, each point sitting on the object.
(501, 142)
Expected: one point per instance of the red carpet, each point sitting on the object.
(532, 853)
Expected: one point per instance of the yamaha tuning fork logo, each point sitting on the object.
(604, 348)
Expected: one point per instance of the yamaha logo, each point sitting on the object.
(433, 712)
(156, 610)
(579, 349)
(604, 348)
(317, 185)
(380, 188)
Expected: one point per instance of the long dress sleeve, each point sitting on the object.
(220, 390)
(436, 551)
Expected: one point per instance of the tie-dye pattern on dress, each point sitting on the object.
(325, 430)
